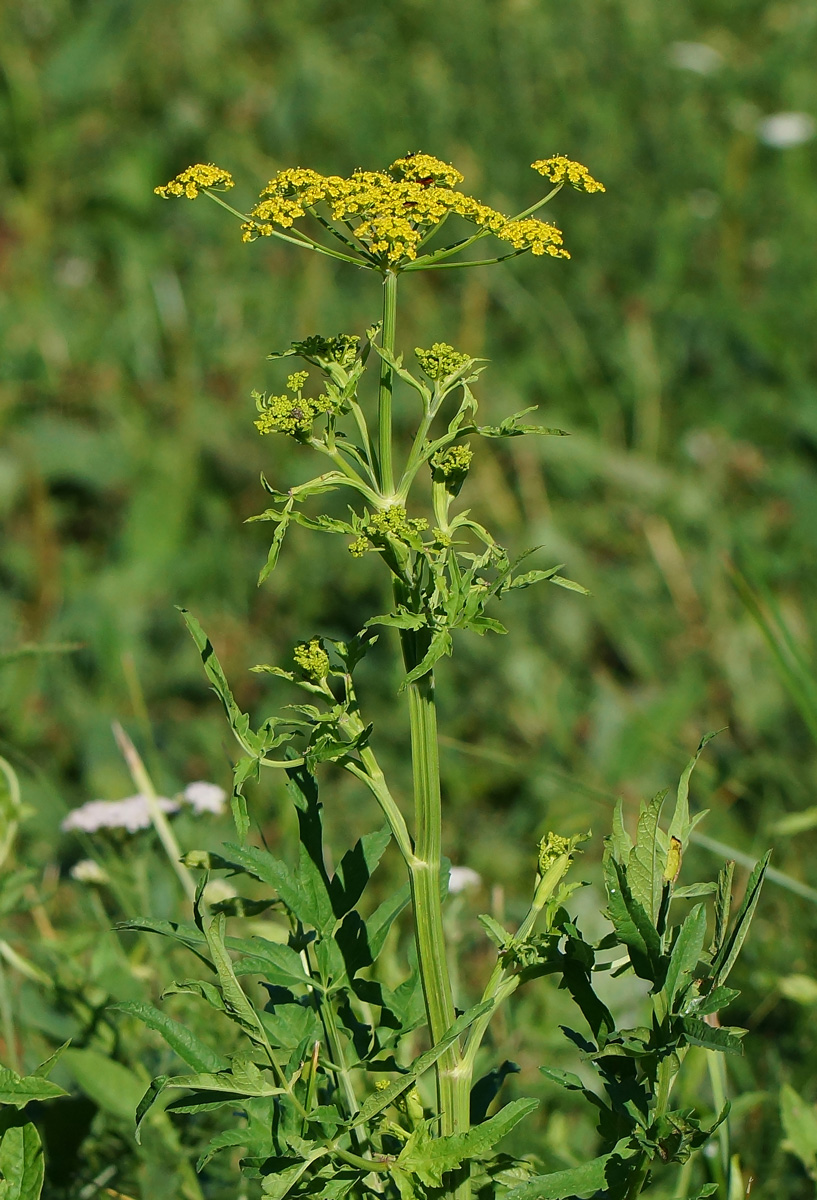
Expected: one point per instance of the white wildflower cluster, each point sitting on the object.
(133, 813)
(462, 878)
(88, 871)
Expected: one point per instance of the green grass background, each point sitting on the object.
(677, 347)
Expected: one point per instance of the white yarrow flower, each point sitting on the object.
(130, 814)
(695, 56)
(205, 797)
(784, 129)
(88, 871)
(462, 878)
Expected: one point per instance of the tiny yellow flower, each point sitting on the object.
(540, 237)
(456, 460)
(359, 547)
(296, 380)
(193, 179)
(312, 659)
(564, 170)
(440, 361)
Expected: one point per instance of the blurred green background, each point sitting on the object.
(677, 347)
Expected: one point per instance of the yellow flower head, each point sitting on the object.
(540, 237)
(564, 170)
(425, 169)
(440, 361)
(196, 178)
(296, 380)
(312, 659)
(456, 460)
(387, 216)
(292, 415)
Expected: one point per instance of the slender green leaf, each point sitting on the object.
(730, 950)
(680, 825)
(441, 644)
(190, 1048)
(378, 1101)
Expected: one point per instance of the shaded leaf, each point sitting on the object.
(190, 1048)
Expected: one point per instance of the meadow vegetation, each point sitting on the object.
(676, 348)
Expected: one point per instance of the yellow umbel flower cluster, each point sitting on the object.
(440, 361)
(425, 169)
(312, 659)
(456, 460)
(195, 179)
(540, 237)
(564, 170)
(387, 522)
(293, 414)
(387, 215)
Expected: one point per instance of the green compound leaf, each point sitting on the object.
(429, 1157)
(190, 1048)
(578, 1182)
(21, 1160)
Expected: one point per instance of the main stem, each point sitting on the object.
(384, 438)
(453, 1098)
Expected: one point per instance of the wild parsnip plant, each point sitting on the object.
(330, 1097)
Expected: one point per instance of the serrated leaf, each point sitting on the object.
(693, 890)
(273, 554)
(441, 644)
(580, 1182)
(717, 999)
(498, 935)
(632, 924)
(280, 1184)
(402, 619)
(620, 841)
(680, 825)
(237, 1005)
(21, 1161)
(19, 1092)
(280, 965)
(686, 952)
(724, 1038)
(570, 584)
(190, 1048)
(723, 906)
(644, 869)
(379, 1101)
(429, 1158)
(356, 869)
